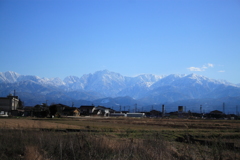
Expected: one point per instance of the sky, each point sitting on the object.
(59, 38)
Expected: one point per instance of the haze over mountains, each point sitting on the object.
(114, 90)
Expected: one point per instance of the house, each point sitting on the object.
(40, 111)
(125, 112)
(216, 114)
(155, 113)
(103, 111)
(232, 116)
(87, 110)
(56, 110)
(9, 104)
(71, 111)
(28, 111)
(97, 112)
(174, 114)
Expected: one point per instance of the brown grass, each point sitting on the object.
(33, 124)
(118, 138)
(32, 153)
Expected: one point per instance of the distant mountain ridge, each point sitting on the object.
(145, 89)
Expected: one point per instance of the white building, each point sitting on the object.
(8, 104)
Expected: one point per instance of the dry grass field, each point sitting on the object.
(29, 123)
(119, 138)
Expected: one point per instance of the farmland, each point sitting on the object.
(119, 138)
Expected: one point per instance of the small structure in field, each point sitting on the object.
(118, 114)
(140, 115)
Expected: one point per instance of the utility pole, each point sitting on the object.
(163, 110)
(135, 108)
(14, 98)
(237, 110)
(223, 107)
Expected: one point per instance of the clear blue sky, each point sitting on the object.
(51, 38)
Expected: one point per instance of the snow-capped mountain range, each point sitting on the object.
(113, 89)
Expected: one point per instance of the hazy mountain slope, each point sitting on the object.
(116, 102)
(174, 88)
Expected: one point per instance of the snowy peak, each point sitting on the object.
(71, 79)
(189, 80)
(9, 77)
(55, 81)
(30, 78)
(107, 76)
(13, 77)
(205, 80)
(43, 81)
(144, 79)
(149, 78)
(106, 82)
(167, 80)
(197, 77)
